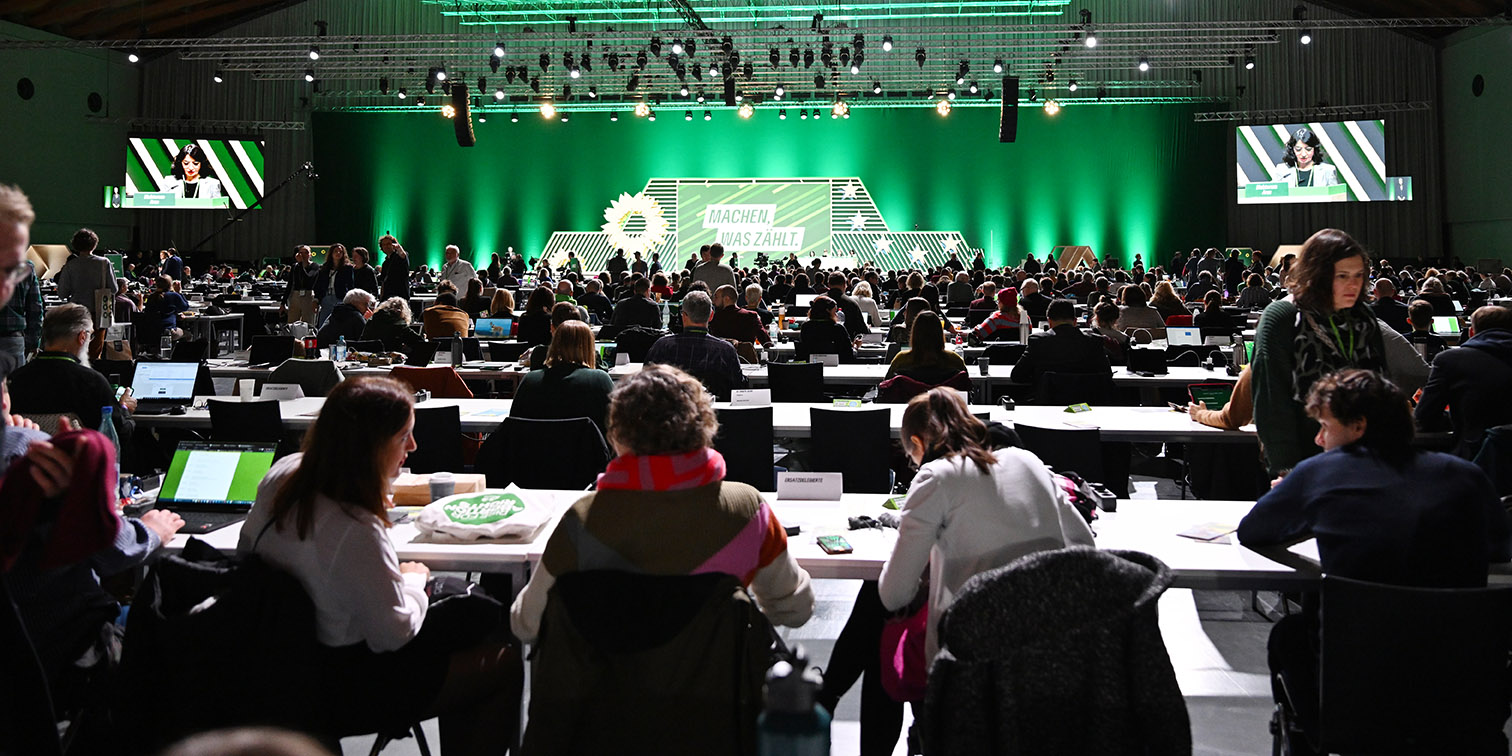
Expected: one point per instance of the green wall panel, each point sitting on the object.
(1123, 180)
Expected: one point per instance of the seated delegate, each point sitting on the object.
(570, 385)
(661, 425)
(321, 516)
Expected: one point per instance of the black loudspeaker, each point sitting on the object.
(1008, 117)
(462, 122)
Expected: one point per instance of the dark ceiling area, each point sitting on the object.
(158, 19)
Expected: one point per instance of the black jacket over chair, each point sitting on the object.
(438, 439)
(855, 443)
(796, 382)
(544, 453)
(626, 660)
(1066, 349)
(1058, 652)
(745, 442)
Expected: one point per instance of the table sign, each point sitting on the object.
(808, 486)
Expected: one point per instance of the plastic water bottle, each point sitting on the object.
(165, 345)
(792, 723)
(665, 315)
(339, 350)
(107, 428)
(456, 349)
(774, 332)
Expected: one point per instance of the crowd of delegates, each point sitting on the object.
(1336, 360)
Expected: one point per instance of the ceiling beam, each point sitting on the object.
(211, 12)
(62, 14)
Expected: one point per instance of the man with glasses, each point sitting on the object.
(21, 317)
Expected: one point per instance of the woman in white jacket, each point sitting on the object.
(969, 509)
(192, 175)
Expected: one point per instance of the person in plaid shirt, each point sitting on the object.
(21, 317)
(705, 357)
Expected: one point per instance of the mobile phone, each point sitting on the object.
(1176, 407)
(833, 544)
(120, 392)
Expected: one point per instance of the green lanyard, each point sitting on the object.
(1349, 352)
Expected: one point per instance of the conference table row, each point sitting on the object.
(792, 419)
(1150, 526)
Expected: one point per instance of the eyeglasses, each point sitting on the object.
(17, 273)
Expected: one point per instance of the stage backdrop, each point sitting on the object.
(1122, 180)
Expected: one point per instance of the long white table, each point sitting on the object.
(997, 375)
(791, 419)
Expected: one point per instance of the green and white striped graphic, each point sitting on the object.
(236, 163)
(774, 217)
(1356, 148)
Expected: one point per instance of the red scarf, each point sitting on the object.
(662, 472)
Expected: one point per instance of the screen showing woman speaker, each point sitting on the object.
(1316, 162)
(191, 173)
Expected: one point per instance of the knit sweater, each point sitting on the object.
(720, 527)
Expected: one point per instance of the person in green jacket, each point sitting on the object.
(1325, 327)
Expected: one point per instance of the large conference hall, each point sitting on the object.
(709, 377)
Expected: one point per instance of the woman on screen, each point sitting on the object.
(192, 175)
(1304, 163)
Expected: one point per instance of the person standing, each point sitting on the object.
(714, 272)
(87, 278)
(364, 275)
(332, 282)
(299, 295)
(21, 317)
(173, 265)
(395, 268)
(457, 270)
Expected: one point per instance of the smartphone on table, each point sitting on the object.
(833, 544)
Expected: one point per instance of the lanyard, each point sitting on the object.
(1349, 353)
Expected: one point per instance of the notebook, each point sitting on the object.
(160, 386)
(1184, 336)
(212, 485)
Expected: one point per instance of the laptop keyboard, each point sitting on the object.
(205, 522)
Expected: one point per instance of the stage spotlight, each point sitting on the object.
(1091, 40)
(919, 57)
(314, 52)
(682, 91)
(688, 115)
(383, 85)
(779, 91)
(642, 109)
(509, 74)
(943, 108)
(309, 75)
(585, 61)
(535, 84)
(1102, 92)
(876, 87)
(566, 91)
(803, 115)
(855, 68)
(1052, 107)
(430, 80)
(544, 61)
(640, 60)
(493, 64)
(482, 118)
(708, 116)
(655, 47)
(887, 43)
(748, 70)
(499, 94)
(632, 83)
(565, 117)
(963, 69)
(651, 116)
(819, 81)
(816, 114)
(774, 57)
(447, 111)
(217, 77)
(593, 93)
(614, 117)
(739, 96)
(782, 114)
(420, 102)
(1144, 64)
(997, 65)
(1306, 37)
(700, 96)
(575, 72)
(482, 85)
(817, 21)
(713, 71)
(498, 50)
(951, 94)
(1072, 87)
(514, 117)
(1249, 62)
(690, 47)
(840, 108)
(858, 42)
(132, 57)
(548, 111)
(808, 58)
(1196, 76)
(974, 89)
(403, 93)
(613, 61)
(845, 57)
(1032, 94)
(441, 73)
(677, 47)
(793, 57)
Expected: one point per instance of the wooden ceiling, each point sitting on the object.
(155, 19)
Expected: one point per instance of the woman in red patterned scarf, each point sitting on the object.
(663, 507)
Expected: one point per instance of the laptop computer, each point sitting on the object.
(1184, 336)
(497, 328)
(804, 300)
(161, 386)
(212, 485)
(1446, 325)
(421, 354)
(1149, 361)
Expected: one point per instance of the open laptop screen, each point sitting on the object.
(215, 473)
(1445, 325)
(1184, 336)
(164, 380)
(497, 328)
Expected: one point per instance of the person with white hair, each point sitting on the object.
(348, 318)
(457, 270)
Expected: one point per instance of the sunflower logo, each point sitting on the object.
(635, 223)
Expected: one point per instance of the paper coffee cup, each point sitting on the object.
(246, 388)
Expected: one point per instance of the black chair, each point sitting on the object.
(270, 350)
(1405, 670)
(506, 351)
(1056, 389)
(855, 443)
(796, 382)
(471, 348)
(544, 453)
(189, 351)
(422, 354)
(1078, 450)
(1004, 354)
(745, 441)
(234, 421)
(438, 440)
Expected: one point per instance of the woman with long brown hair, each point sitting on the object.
(321, 515)
(969, 509)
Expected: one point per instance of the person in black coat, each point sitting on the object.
(390, 323)
(347, 319)
(822, 335)
(855, 322)
(1473, 381)
(1388, 309)
(638, 309)
(364, 276)
(1064, 349)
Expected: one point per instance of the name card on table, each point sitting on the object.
(621, 359)
(827, 360)
(807, 486)
(282, 391)
(750, 397)
(847, 403)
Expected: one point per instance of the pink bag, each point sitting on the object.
(904, 670)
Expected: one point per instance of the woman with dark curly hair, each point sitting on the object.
(1324, 328)
(192, 174)
(1304, 163)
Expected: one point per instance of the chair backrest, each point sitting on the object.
(1078, 450)
(796, 382)
(566, 453)
(232, 421)
(422, 353)
(1055, 389)
(124, 369)
(628, 658)
(1004, 354)
(1495, 457)
(441, 381)
(438, 440)
(856, 443)
(506, 351)
(189, 351)
(1412, 670)
(745, 441)
(636, 341)
(270, 350)
(315, 377)
(1179, 320)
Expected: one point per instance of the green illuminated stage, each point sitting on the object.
(1122, 180)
